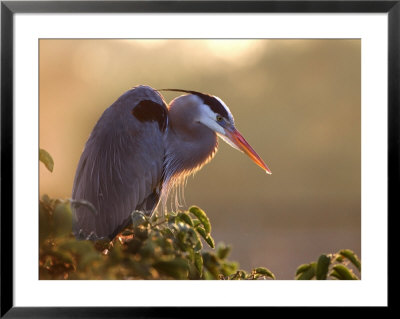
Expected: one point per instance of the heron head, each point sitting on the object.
(215, 114)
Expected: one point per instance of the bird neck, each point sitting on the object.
(189, 145)
(189, 152)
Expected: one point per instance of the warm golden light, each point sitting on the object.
(237, 52)
(298, 102)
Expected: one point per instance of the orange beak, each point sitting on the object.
(236, 138)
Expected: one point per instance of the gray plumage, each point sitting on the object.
(138, 151)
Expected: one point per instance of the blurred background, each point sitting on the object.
(297, 102)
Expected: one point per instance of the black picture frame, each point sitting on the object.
(9, 8)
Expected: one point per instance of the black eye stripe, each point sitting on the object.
(214, 105)
(209, 100)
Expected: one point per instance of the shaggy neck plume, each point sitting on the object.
(189, 146)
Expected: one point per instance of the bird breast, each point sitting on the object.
(186, 154)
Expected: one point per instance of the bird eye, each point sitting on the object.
(219, 118)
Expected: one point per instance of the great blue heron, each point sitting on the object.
(140, 148)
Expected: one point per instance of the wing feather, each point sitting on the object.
(121, 163)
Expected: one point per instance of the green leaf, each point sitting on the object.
(183, 236)
(88, 259)
(141, 232)
(196, 222)
(309, 273)
(62, 256)
(171, 219)
(201, 215)
(185, 218)
(302, 268)
(194, 239)
(62, 220)
(264, 271)
(240, 274)
(46, 159)
(350, 255)
(138, 218)
(322, 267)
(198, 262)
(211, 263)
(147, 249)
(343, 273)
(198, 246)
(80, 248)
(44, 223)
(167, 232)
(207, 237)
(139, 268)
(339, 258)
(210, 241)
(134, 245)
(183, 227)
(201, 231)
(228, 268)
(223, 251)
(177, 268)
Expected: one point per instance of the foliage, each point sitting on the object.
(171, 248)
(331, 266)
(46, 159)
(178, 246)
